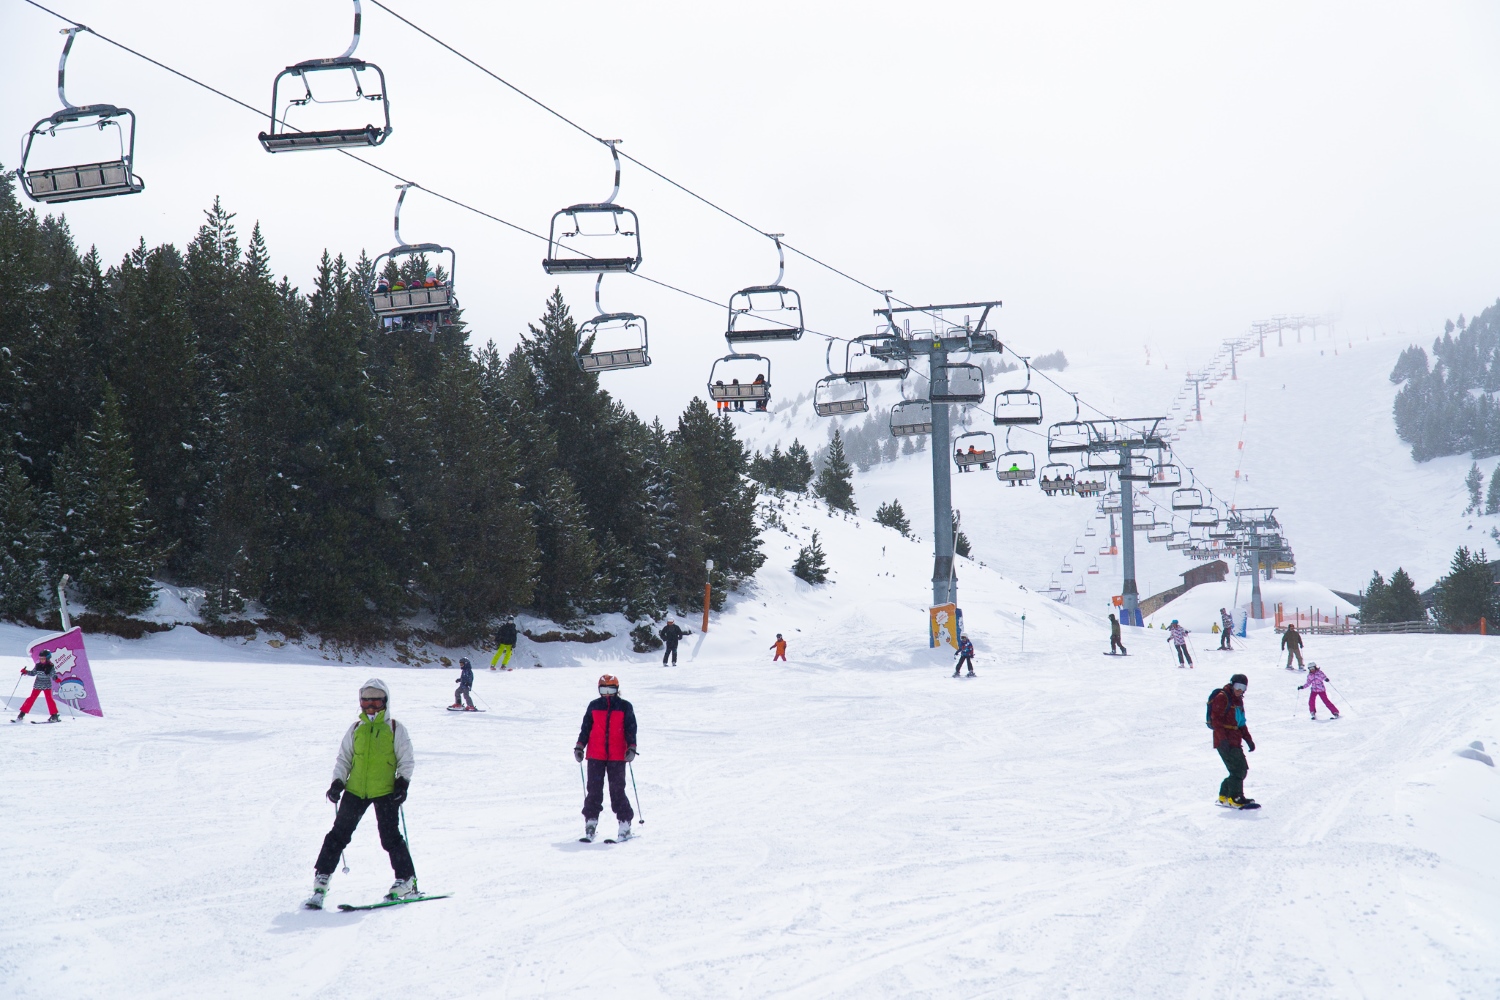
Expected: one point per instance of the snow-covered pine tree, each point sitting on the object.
(1492, 496)
(960, 540)
(23, 544)
(707, 446)
(799, 468)
(101, 535)
(835, 484)
(1474, 483)
(892, 516)
(812, 562)
(1375, 609)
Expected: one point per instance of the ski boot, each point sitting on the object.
(955, 673)
(972, 673)
(1244, 803)
(19, 718)
(455, 706)
(624, 832)
(404, 888)
(590, 826)
(471, 708)
(1226, 802)
(54, 717)
(319, 893)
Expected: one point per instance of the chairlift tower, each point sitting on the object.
(902, 345)
(1198, 381)
(1259, 529)
(1116, 445)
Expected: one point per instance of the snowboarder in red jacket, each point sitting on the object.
(607, 739)
(1226, 717)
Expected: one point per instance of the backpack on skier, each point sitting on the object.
(1208, 711)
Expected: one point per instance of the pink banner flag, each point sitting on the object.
(74, 683)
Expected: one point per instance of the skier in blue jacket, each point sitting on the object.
(965, 654)
(465, 685)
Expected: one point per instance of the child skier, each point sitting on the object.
(965, 654)
(374, 767)
(44, 672)
(1114, 636)
(1315, 681)
(465, 685)
(1177, 636)
(607, 738)
(780, 646)
(1226, 626)
(505, 642)
(1226, 716)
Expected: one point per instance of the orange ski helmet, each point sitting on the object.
(610, 680)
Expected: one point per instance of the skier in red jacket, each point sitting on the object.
(1226, 716)
(607, 738)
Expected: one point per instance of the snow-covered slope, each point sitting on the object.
(853, 823)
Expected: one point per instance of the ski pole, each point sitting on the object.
(637, 794)
(581, 779)
(1346, 701)
(342, 859)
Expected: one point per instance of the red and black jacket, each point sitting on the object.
(608, 728)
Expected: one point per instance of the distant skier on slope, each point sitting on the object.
(965, 654)
(374, 767)
(671, 634)
(44, 672)
(1114, 636)
(1291, 641)
(505, 643)
(780, 646)
(1226, 628)
(1316, 680)
(1177, 636)
(1226, 716)
(607, 738)
(465, 685)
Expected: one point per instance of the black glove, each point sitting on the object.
(1301, 686)
(398, 794)
(335, 790)
(578, 753)
(1250, 743)
(629, 754)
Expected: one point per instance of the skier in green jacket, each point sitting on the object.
(373, 768)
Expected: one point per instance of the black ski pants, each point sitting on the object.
(671, 651)
(969, 659)
(1234, 759)
(387, 821)
(1115, 643)
(1183, 656)
(593, 799)
(1224, 638)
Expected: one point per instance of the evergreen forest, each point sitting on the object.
(184, 415)
(1448, 405)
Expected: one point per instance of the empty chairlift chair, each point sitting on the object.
(612, 341)
(740, 378)
(333, 86)
(1187, 498)
(1018, 407)
(1203, 517)
(911, 417)
(74, 180)
(834, 396)
(595, 238)
(765, 312)
(957, 383)
(976, 448)
(413, 301)
(1093, 569)
(875, 357)
(1166, 476)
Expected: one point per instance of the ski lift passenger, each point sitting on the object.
(760, 404)
(739, 404)
(958, 454)
(723, 403)
(1014, 468)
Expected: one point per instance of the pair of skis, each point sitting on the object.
(347, 907)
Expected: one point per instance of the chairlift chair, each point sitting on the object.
(1089, 531)
(765, 312)
(863, 364)
(1016, 465)
(1053, 586)
(597, 237)
(1057, 478)
(1091, 483)
(1105, 458)
(1067, 567)
(1078, 548)
(283, 138)
(980, 451)
(612, 341)
(1093, 569)
(1187, 498)
(76, 182)
(957, 383)
(414, 302)
(911, 418)
(1223, 532)
(1080, 588)
(1166, 476)
(1203, 517)
(726, 384)
(1015, 407)
(1111, 504)
(833, 396)
(1160, 533)
(1179, 541)
(1138, 469)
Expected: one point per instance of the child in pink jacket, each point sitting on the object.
(1315, 681)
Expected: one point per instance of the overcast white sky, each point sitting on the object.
(1122, 175)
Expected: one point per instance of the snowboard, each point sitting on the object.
(1114, 654)
(346, 907)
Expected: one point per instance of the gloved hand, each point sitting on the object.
(629, 754)
(335, 790)
(1250, 743)
(578, 753)
(398, 794)
(1301, 686)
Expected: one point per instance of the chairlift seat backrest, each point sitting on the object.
(103, 179)
(626, 343)
(964, 383)
(911, 417)
(764, 313)
(834, 397)
(1187, 498)
(283, 138)
(1016, 467)
(619, 245)
(1067, 437)
(1017, 407)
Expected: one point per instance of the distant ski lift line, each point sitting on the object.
(467, 207)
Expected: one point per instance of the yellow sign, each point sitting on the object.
(944, 625)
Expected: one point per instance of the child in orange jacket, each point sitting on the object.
(780, 646)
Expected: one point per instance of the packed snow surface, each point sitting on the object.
(853, 823)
